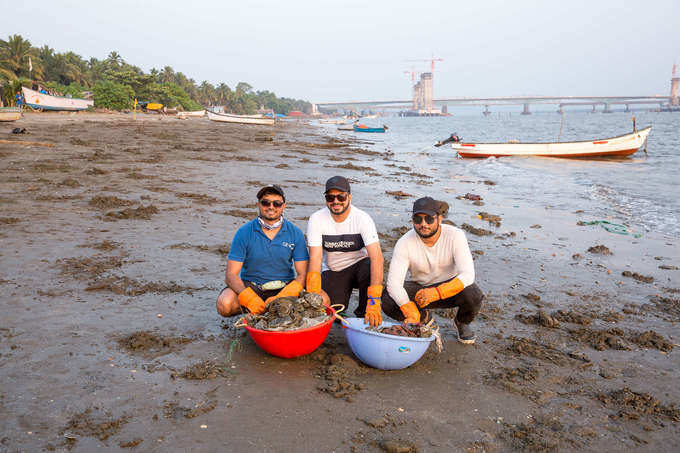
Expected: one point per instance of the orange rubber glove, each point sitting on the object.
(249, 299)
(291, 289)
(373, 311)
(411, 313)
(314, 282)
(426, 296)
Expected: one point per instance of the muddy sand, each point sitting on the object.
(112, 252)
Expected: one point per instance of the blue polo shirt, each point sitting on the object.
(263, 259)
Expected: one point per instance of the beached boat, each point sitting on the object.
(364, 128)
(10, 113)
(623, 145)
(42, 101)
(242, 119)
(194, 114)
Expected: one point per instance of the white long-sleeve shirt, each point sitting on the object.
(449, 257)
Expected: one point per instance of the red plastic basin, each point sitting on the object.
(289, 344)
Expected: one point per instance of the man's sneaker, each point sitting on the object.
(465, 333)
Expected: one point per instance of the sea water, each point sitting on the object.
(641, 191)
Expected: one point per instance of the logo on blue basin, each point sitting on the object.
(404, 349)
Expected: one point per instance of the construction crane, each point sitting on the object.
(413, 75)
(431, 60)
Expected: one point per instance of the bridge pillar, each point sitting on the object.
(594, 108)
(607, 108)
(560, 109)
(526, 110)
(627, 108)
(315, 109)
(486, 111)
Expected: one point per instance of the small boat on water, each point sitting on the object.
(42, 101)
(364, 128)
(10, 113)
(241, 119)
(623, 145)
(345, 128)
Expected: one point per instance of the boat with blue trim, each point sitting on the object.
(364, 128)
(43, 101)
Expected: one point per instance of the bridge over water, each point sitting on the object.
(524, 101)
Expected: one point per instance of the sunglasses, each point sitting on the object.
(267, 203)
(418, 219)
(340, 197)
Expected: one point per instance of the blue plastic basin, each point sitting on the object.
(379, 350)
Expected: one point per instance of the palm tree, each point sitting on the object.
(96, 69)
(167, 75)
(207, 92)
(114, 58)
(223, 94)
(18, 58)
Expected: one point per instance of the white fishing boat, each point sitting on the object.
(623, 145)
(42, 101)
(10, 113)
(194, 114)
(241, 119)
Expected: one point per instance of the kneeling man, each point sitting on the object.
(265, 256)
(442, 272)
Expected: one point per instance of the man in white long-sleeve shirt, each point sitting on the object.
(442, 272)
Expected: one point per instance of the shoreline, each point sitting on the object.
(123, 221)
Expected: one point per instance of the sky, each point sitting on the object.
(338, 51)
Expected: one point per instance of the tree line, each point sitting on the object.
(116, 83)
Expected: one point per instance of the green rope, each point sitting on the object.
(614, 227)
(234, 344)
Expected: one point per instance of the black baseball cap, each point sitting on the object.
(339, 183)
(426, 205)
(271, 188)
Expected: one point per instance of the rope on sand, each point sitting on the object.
(234, 344)
(614, 227)
(437, 336)
(336, 315)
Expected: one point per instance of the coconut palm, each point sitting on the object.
(223, 94)
(167, 75)
(114, 58)
(19, 58)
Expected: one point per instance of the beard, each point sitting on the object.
(270, 217)
(427, 235)
(344, 209)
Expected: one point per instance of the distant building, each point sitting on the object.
(423, 98)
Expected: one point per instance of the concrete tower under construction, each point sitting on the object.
(423, 98)
(675, 82)
(426, 83)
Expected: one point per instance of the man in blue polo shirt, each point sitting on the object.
(268, 258)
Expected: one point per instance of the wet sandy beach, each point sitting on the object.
(112, 252)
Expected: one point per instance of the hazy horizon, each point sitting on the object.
(329, 51)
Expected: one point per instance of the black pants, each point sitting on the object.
(338, 285)
(468, 301)
(264, 294)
